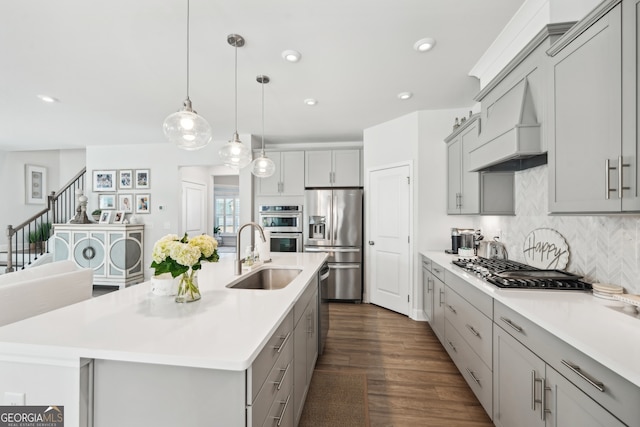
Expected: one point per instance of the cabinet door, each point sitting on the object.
(346, 168)
(631, 104)
(586, 120)
(299, 365)
(292, 173)
(437, 322)
(568, 406)
(312, 336)
(517, 383)
(318, 168)
(470, 181)
(427, 293)
(454, 176)
(271, 186)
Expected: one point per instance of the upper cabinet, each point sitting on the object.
(462, 185)
(593, 143)
(288, 179)
(332, 168)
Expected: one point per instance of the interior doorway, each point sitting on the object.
(226, 210)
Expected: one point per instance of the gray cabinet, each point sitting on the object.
(305, 346)
(593, 148)
(113, 251)
(437, 321)
(462, 185)
(288, 179)
(333, 168)
(427, 289)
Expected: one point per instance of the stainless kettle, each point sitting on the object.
(492, 249)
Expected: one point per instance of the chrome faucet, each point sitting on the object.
(238, 263)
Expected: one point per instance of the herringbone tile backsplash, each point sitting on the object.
(603, 248)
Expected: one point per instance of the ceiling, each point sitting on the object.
(119, 67)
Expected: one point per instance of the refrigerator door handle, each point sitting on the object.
(334, 228)
(343, 266)
(329, 249)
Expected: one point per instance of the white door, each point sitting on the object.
(389, 216)
(194, 215)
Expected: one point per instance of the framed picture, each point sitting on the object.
(125, 179)
(142, 178)
(106, 201)
(118, 217)
(36, 184)
(104, 180)
(143, 204)
(125, 202)
(105, 217)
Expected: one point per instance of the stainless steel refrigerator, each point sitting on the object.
(333, 224)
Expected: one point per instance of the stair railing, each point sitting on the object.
(29, 240)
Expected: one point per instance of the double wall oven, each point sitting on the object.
(284, 224)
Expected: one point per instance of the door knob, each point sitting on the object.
(371, 242)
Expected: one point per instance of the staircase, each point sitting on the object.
(28, 243)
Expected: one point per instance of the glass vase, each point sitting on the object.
(188, 290)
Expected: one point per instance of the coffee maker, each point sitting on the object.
(455, 241)
(466, 238)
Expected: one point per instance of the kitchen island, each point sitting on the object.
(131, 354)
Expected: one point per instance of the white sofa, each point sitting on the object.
(36, 290)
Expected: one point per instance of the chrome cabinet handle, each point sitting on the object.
(576, 369)
(460, 201)
(543, 400)
(472, 329)
(279, 348)
(371, 242)
(452, 346)
(453, 310)
(281, 380)
(284, 409)
(621, 165)
(607, 169)
(429, 288)
(510, 323)
(437, 270)
(473, 376)
(440, 302)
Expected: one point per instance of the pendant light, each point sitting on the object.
(263, 167)
(234, 153)
(186, 128)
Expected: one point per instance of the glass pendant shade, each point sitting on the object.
(187, 129)
(235, 154)
(263, 167)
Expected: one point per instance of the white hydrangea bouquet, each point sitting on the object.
(184, 257)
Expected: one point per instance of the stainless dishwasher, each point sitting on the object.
(323, 306)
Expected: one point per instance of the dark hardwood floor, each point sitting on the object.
(410, 378)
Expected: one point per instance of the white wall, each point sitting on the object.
(61, 166)
(164, 161)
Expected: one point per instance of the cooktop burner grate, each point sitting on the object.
(491, 270)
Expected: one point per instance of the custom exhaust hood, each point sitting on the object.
(510, 139)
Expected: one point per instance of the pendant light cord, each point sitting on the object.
(236, 81)
(262, 84)
(188, 31)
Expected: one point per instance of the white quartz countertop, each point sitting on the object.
(226, 329)
(596, 327)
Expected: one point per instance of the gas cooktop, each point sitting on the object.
(514, 275)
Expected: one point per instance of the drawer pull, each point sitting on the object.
(575, 368)
(279, 348)
(472, 329)
(280, 381)
(284, 409)
(510, 323)
(473, 376)
(453, 310)
(437, 270)
(452, 346)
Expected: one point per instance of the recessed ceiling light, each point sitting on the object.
(49, 99)
(291, 55)
(405, 95)
(310, 101)
(424, 45)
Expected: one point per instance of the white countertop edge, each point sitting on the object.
(618, 349)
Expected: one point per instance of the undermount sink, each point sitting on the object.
(267, 279)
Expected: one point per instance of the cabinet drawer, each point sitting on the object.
(616, 394)
(261, 367)
(437, 271)
(281, 410)
(476, 297)
(278, 378)
(471, 324)
(426, 263)
(475, 372)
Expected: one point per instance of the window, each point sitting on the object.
(226, 204)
